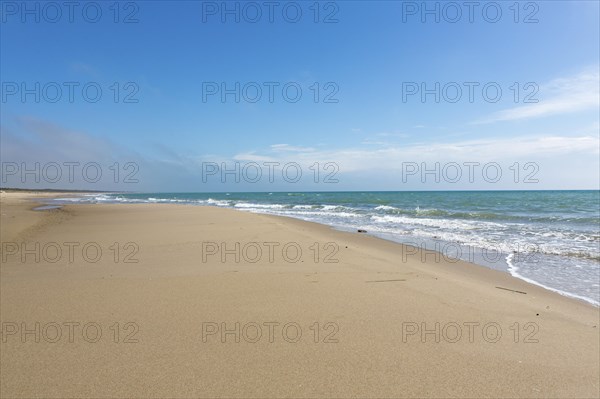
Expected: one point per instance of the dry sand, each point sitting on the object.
(152, 314)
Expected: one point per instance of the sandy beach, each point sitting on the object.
(158, 300)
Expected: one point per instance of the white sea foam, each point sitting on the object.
(385, 208)
(258, 206)
(211, 201)
(302, 207)
(79, 199)
(516, 272)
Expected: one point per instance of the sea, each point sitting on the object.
(548, 238)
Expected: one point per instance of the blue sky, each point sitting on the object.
(366, 58)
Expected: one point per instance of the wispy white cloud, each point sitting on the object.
(559, 96)
(484, 150)
(563, 162)
(374, 142)
(253, 157)
(290, 148)
(393, 134)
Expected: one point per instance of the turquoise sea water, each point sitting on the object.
(550, 238)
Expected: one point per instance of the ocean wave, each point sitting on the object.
(438, 223)
(258, 206)
(484, 215)
(303, 207)
(336, 208)
(211, 201)
(386, 208)
(517, 272)
(79, 199)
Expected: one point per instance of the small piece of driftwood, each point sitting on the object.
(508, 289)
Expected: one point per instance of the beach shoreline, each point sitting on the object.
(520, 256)
(179, 272)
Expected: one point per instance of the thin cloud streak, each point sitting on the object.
(566, 95)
